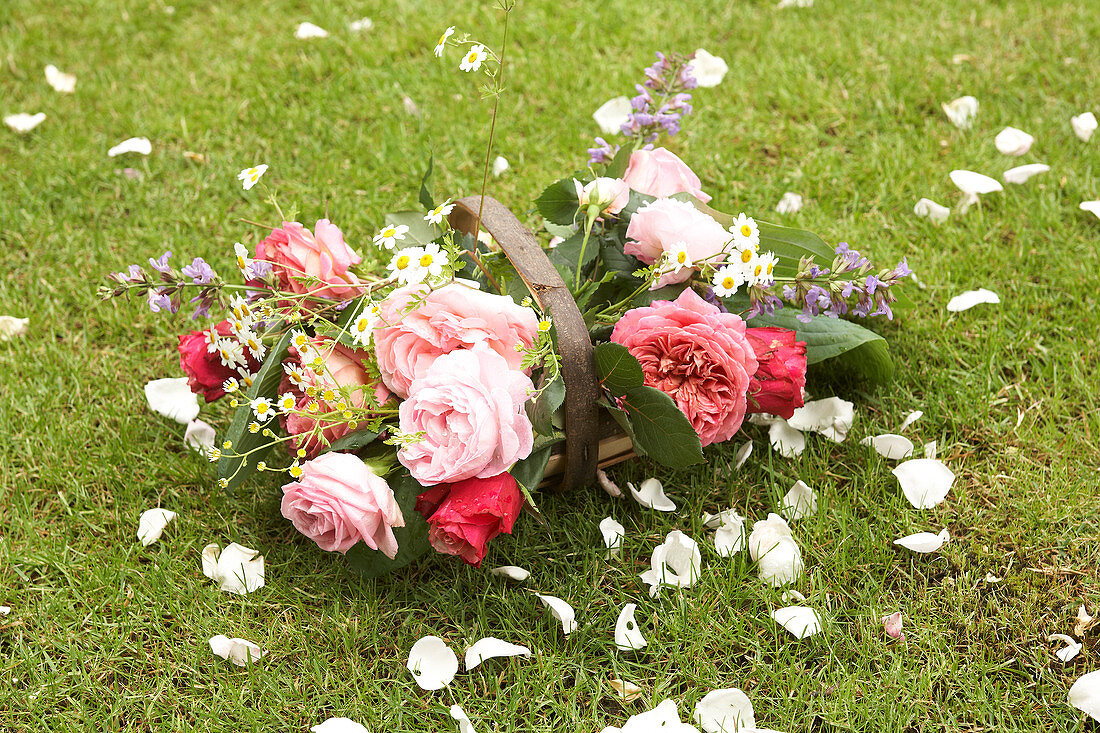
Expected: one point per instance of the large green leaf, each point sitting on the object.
(528, 473)
(558, 203)
(541, 410)
(568, 253)
(661, 429)
(623, 420)
(420, 232)
(859, 350)
(353, 441)
(618, 369)
(412, 539)
(617, 167)
(235, 468)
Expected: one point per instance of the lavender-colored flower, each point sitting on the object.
(260, 269)
(199, 272)
(202, 307)
(603, 153)
(158, 301)
(161, 265)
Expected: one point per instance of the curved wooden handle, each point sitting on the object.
(578, 366)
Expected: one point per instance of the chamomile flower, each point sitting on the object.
(299, 341)
(295, 470)
(363, 326)
(436, 215)
(295, 375)
(287, 402)
(544, 325)
(390, 235)
(244, 262)
(677, 258)
(251, 176)
(211, 338)
(474, 57)
(253, 427)
(744, 229)
(726, 280)
(743, 254)
(239, 308)
(262, 409)
(763, 269)
(329, 395)
(230, 353)
(443, 42)
(214, 454)
(432, 260)
(405, 266)
(231, 385)
(254, 344)
(247, 378)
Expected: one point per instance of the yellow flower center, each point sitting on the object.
(472, 57)
(388, 232)
(746, 256)
(402, 262)
(746, 230)
(681, 257)
(728, 283)
(544, 326)
(261, 408)
(442, 40)
(757, 270)
(771, 267)
(328, 395)
(361, 326)
(426, 260)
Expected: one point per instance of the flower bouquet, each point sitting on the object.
(417, 395)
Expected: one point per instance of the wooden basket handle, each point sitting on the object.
(578, 366)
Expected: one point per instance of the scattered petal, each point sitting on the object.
(309, 30)
(971, 298)
(892, 624)
(1083, 125)
(1021, 173)
(1084, 621)
(607, 484)
(972, 186)
(464, 723)
(358, 26)
(708, 69)
(795, 4)
(512, 572)
(199, 436)
(410, 106)
(924, 542)
(799, 620)
(238, 651)
(991, 578)
(500, 164)
(800, 501)
(194, 157)
(961, 111)
(1091, 206)
(432, 663)
(930, 450)
(59, 80)
(676, 562)
(652, 495)
(924, 481)
(725, 711)
(911, 418)
(773, 548)
(139, 145)
(664, 718)
(23, 122)
(612, 114)
(237, 569)
(5, 610)
(1069, 651)
(789, 203)
(173, 399)
(10, 327)
(927, 208)
(1085, 694)
(743, 454)
(562, 611)
(490, 648)
(792, 595)
(151, 525)
(731, 536)
(1011, 141)
(832, 417)
(627, 634)
(889, 445)
(613, 534)
(785, 439)
(627, 691)
(339, 725)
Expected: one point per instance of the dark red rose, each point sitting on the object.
(204, 369)
(464, 516)
(776, 387)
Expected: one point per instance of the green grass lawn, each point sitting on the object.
(839, 103)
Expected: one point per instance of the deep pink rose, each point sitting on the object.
(464, 517)
(697, 355)
(344, 367)
(661, 225)
(659, 172)
(453, 317)
(776, 387)
(470, 407)
(338, 501)
(294, 252)
(204, 369)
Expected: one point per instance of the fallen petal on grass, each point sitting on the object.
(613, 533)
(151, 525)
(237, 569)
(1083, 125)
(240, 652)
(743, 454)
(664, 718)
(929, 209)
(787, 441)
(1012, 141)
(358, 26)
(892, 626)
(12, 327)
(962, 111)
(432, 663)
(709, 70)
(612, 114)
(772, 547)
(724, 711)
(309, 30)
(500, 164)
(800, 501)
(889, 445)
(607, 484)
(512, 572)
(626, 691)
(924, 481)
(199, 436)
(972, 186)
(789, 203)
(799, 620)
(59, 80)
(924, 542)
(911, 418)
(731, 536)
(1084, 621)
(652, 496)
(676, 562)
(562, 611)
(1021, 173)
(831, 417)
(173, 399)
(339, 725)
(489, 648)
(1071, 649)
(465, 725)
(1093, 207)
(139, 145)
(1085, 694)
(628, 637)
(23, 122)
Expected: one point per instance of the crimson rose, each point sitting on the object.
(776, 387)
(464, 516)
(202, 365)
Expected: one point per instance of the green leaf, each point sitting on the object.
(559, 230)
(661, 429)
(412, 539)
(541, 411)
(618, 369)
(668, 292)
(528, 473)
(614, 259)
(420, 232)
(860, 350)
(353, 441)
(558, 203)
(426, 199)
(567, 253)
(236, 468)
(623, 420)
(617, 167)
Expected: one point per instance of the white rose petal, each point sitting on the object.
(743, 454)
(464, 723)
(358, 26)
(237, 569)
(23, 122)
(628, 636)
(725, 711)
(606, 483)
(664, 718)
(891, 446)
(778, 557)
(924, 481)
(791, 595)
(199, 436)
(766, 534)
(627, 691)
(708, 69)
(832, 417)
(490, 648)
(1021, 173)
(911, 418)
(795, 4)
(152, 523)
(731, 536)
(1011, 141)
(1069, 651)
(59, 80)
(800, 501)
(789, 203)
(238, 651)
(676, 562)
(500, 164)
(11, 327)
(971, 298)
(139, 145)
(309, 30)
(785, 439)
(339, 725)
(173, 399)
(1085, 694)
(1083, 125)
(613, 533)
(432, 663)
(927, 208)
(5, 610)
(1091, 206)
(972, 186)
(562, 611)
(924, 542)
(799, 620)
(991, 578)
(612, 114)
(961, 111)
(652, 496)
(512, 572)
(930, 450)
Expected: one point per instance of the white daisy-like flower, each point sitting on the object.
(390, 235)
(299, 341)
(211, 337)
(743, 254)
(254, 345)
(247, 377)
(432, 260)
(474, 57)
(251, 176)
(726, 281)
(677, 258)
(436, 215)
(756, 272)
(767, 263)
(230, 353)
(443, 41)
(287, 402)
(295, 375)
(744, 229)
(405, 266)
(363, 326)
(244, 262)
(262, 408)
(238, 306)
(231, 385)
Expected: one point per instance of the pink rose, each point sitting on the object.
(338, 501)
(453, 317)
(294, 253)
(697, 355)
(610, 194)
(661, 173)
(662, 225)
(464, 517)
(470, 407)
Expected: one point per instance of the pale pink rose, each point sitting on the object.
(661, 225)
(294, 252)
(470, 407)
(453, 317)
(612, 193)
(659, 172)
(338, 501)
(697, 355)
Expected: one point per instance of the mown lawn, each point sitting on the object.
(839, 103)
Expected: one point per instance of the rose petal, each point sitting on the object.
(800, 501)
(309, 30)
(152, 523)
(927, 208)
(911, 418)
(1069, 651)
(832, 417)
(1012, 141)
(59, 80)
(432, 663)
(892, 625)
(794, 4)
(628, 636)
(1091, 206)
(199, 436)
(490, 648)
(500, 164)
(11, 327)
(607, 484)
(612, 114)
(23, 122)
(891, 446)
(930, 450)
(562, 611)
(339, 725)
(961, 111)
(731, 536)
(973, 185)
(652, 496)
(709, 70)
(173, 399)
(799, 620)
(358, 26)
(789, 203)
(464, 723)
(238, 651)
(676, 562)
(613, 534)
(627, 691)
(237, 569)
(1085, 694)
(664, 718)
(139, 145)
(511, 572)
(743, 454)
(725, 711)
(1083, 125)
(924, 542)
(924, 481)
(1084, 621)
(1021, 173)
(791, 595)
(785, 439)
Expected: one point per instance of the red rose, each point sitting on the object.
(776, 387)
(463, 517)
(203, 367)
